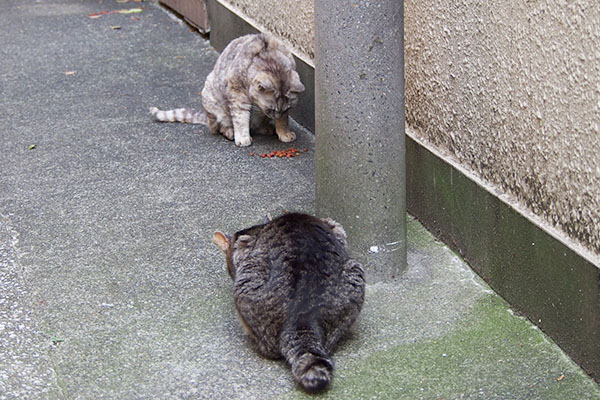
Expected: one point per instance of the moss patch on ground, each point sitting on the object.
(492, 354)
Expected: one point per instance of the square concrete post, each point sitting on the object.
(359, 103)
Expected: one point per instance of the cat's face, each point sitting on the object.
(276, 93)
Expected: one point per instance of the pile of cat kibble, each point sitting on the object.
(288, 153)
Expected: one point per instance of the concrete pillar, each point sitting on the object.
(359, 110)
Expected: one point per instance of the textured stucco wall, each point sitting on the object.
(512, 91)
(292, 20)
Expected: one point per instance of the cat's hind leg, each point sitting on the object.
(260, 313)
(225, 127)
(211, 122)
(217, 114)
(264, 344)
(346, 301)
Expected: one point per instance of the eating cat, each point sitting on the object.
(296, 290)
(252, 86)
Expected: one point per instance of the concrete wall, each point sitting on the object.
(291, 20)
(510, 90)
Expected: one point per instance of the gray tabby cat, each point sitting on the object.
(296, 291)
(253, 84)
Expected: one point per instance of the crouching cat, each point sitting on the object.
(253, 85)
(296, 291)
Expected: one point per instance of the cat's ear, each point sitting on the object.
(337, 229)
(266, 219)
(296, 85)
(221, 240)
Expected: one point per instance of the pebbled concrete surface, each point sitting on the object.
(110, 287)
(25, 364)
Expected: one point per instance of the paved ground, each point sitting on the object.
(110, 287)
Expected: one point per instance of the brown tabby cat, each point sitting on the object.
(296, 290)
(253, 83)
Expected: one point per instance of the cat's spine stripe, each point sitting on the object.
(179, 115)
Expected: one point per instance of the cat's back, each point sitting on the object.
(252, 44)
(240, 52)
(304, 247)
(242, 47)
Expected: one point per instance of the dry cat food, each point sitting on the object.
(288, 153)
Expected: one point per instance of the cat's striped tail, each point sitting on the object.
(312, 367)
(179, 115)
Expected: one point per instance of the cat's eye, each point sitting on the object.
(265, 89)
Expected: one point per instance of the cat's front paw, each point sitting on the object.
(286, 136)
(243, 141)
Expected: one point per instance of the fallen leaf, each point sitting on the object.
(560, 378)
(122, 11)
(32, 146)
(99, 14)
(130, 11)
(199, 93)
(70, 72)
